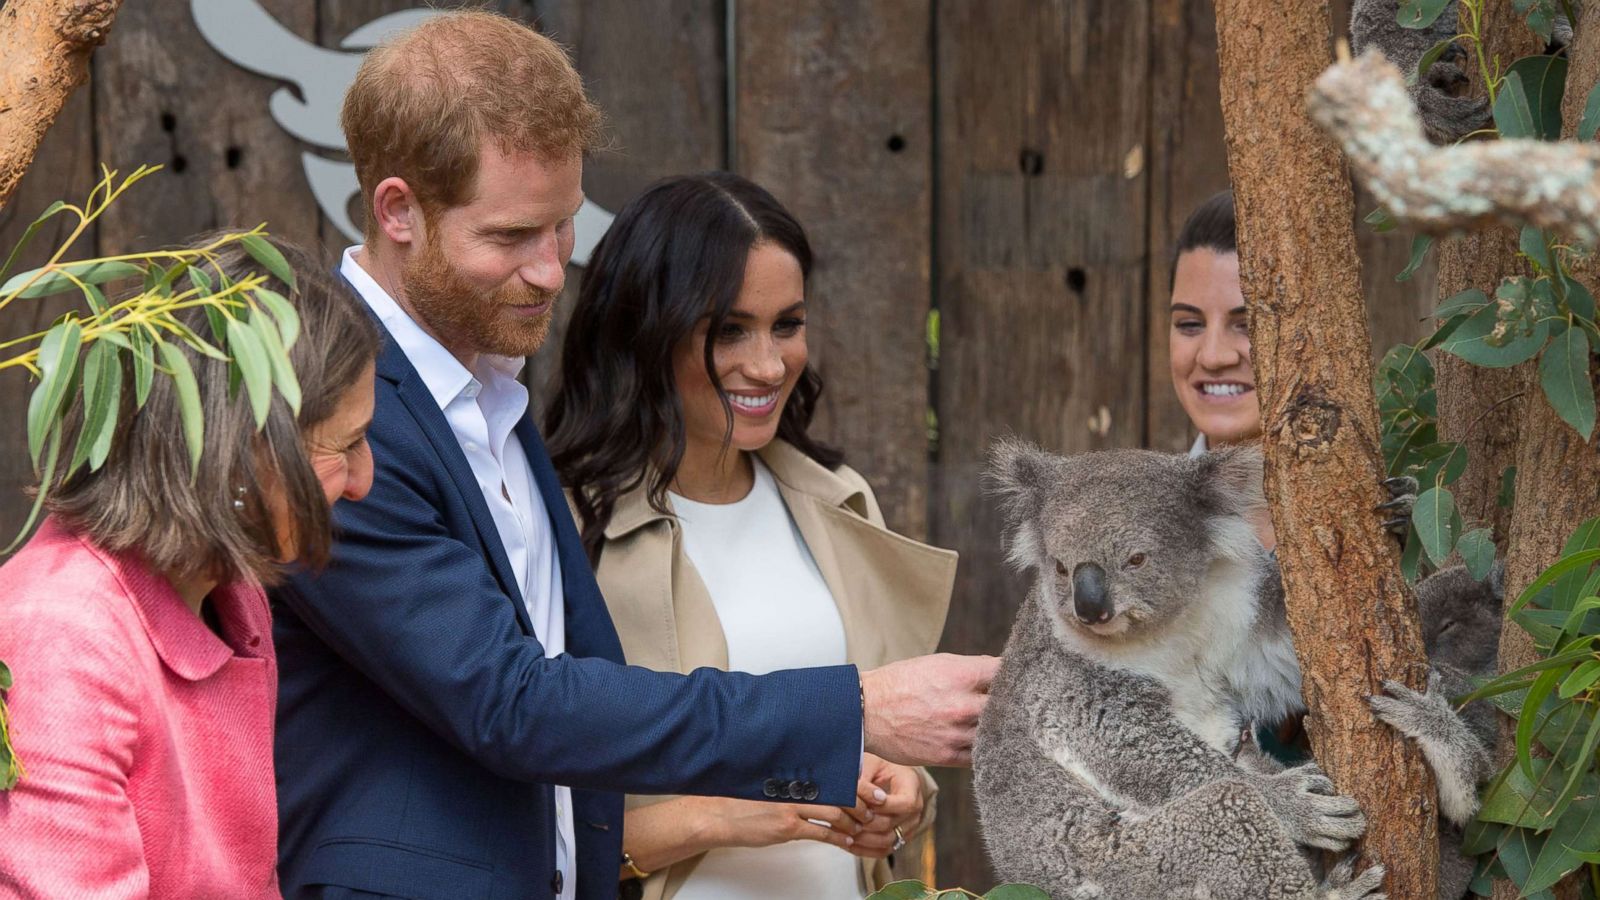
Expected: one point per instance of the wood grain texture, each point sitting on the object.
(1041, 283)
(1352, 615)
(63, 169)
(833, 115)
(164, 97)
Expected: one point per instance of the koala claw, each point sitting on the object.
(1311, 812)
(1343, 884)
(1402, 491)
(1409, 711)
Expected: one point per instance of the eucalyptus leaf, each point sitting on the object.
(284, 312)
(1579, 300)
(144, 369)
(263, 252)
(1468, 301)
(5, 677)
(1381, 220)
(52, 455)
(33, 229)
(1016, 892)
(901, 890)
(1579, 679)
(102, 391)
(254, 366)
(1522, 799)
(56, 280)
(1544, 82)
(1532, 245)
(1419, 251)
(57, 361)
(1590, 122)
(1428, 59)
(200, 280)
(283, 376)
(1411, 557)
(189, 408)
(1564, 375)
(1591, 740)
(1434, 516)
(1470, 341)
(1512, 114)
(1417, 14)
(1477, 551)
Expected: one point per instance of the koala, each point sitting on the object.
(1447, 117)
(1102, 764)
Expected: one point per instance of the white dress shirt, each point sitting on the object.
(482, 407)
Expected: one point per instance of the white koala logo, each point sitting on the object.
(251, 38)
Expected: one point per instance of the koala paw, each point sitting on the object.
(1344, 884)
(1402, 490)
(1311, 813)
(1456, 756)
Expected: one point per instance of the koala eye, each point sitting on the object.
(1061, 567)
(1134, 561)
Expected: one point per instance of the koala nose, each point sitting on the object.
(1089, 600)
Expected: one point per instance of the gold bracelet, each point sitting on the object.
(632, 867)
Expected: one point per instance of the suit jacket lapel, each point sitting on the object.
(590, 631)
(394, 367)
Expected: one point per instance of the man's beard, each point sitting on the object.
(464, 317)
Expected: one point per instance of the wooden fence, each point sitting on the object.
(992, 188)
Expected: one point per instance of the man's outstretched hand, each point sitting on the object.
(923, 711)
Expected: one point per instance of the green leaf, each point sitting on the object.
(1428, 59)
(1532, 245)
(253, 364)
(189, 407)
(33, 229)
(1477, 551)
(282, 372)
(266, 254)
(58, 362)
(1527, 723)
(1444, 332)
(1517, 851)
(1512, 114)
(1433, 516)
(1411, 558)
(1560, 567)
(102, 391)
(52, 455)
(1590, 741)
(1577, 618)
(1380, 220)
(1013, 891)
(144, 370)
(284, 312)
(1590, 122)
(1446, 463)
(5, 677)
(1521, 799)
(1418, 14)
(1419, 250)
(1579, 680)
(901, 890)
(1544, 82)
(1468, 301)
(1470, 341)
(1577, 831)
(200, 280)
(1543, 624)
(1579, 300)
(1564, 374)
(56, 281)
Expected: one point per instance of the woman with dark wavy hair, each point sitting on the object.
(723, 534)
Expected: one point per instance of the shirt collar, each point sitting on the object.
(1199, 447)
(444, 375)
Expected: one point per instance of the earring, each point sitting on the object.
(238, 501)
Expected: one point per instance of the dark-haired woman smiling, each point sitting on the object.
(723, 534)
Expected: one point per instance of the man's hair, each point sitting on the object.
(1210, 227)
(144, 500)
(424, 103)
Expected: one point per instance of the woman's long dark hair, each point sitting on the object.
(674, 255)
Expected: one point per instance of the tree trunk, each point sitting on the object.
(45, 46)
(1352, 615)
(1467, 393)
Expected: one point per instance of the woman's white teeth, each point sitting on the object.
(753, 402)
(1222, 390)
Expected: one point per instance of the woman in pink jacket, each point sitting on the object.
(139, 634)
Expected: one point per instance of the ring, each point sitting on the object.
(899, 840)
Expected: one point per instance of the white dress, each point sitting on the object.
(776, 613)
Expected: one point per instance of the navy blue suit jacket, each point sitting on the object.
(420, 725)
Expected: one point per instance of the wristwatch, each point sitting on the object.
(632, 867)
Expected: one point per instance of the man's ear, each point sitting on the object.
(1018, 476)
(1232, 480)
(397, 212)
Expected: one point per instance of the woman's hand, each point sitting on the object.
(892, 797)
(753, 823)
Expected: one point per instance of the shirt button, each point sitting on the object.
(556, 882)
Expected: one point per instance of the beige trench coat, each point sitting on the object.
(892, 593)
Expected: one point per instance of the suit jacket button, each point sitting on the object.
(770, 787)
(557, 882)
(797, 790)
(811, 791)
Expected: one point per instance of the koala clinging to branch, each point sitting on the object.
(1102, 765)
(1154, 636)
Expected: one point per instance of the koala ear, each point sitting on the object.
(1017, 476)
(1232, 480)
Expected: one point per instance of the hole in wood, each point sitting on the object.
(179, 163)
(896, 143)
(169, 122)
(1031, 162)
(1077, 279)
(233, 156)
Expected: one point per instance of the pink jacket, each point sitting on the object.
(147, 739)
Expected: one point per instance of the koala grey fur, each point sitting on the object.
(1102, 763)
(1109, 760)
(1446, 117)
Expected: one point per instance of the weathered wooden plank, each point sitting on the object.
(164, 96)
(63, 169)
(833, 115)
(1188, 163)
(1041, 239)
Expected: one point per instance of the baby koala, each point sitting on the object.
(1153, 632)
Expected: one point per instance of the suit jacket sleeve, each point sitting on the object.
(417, 610)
